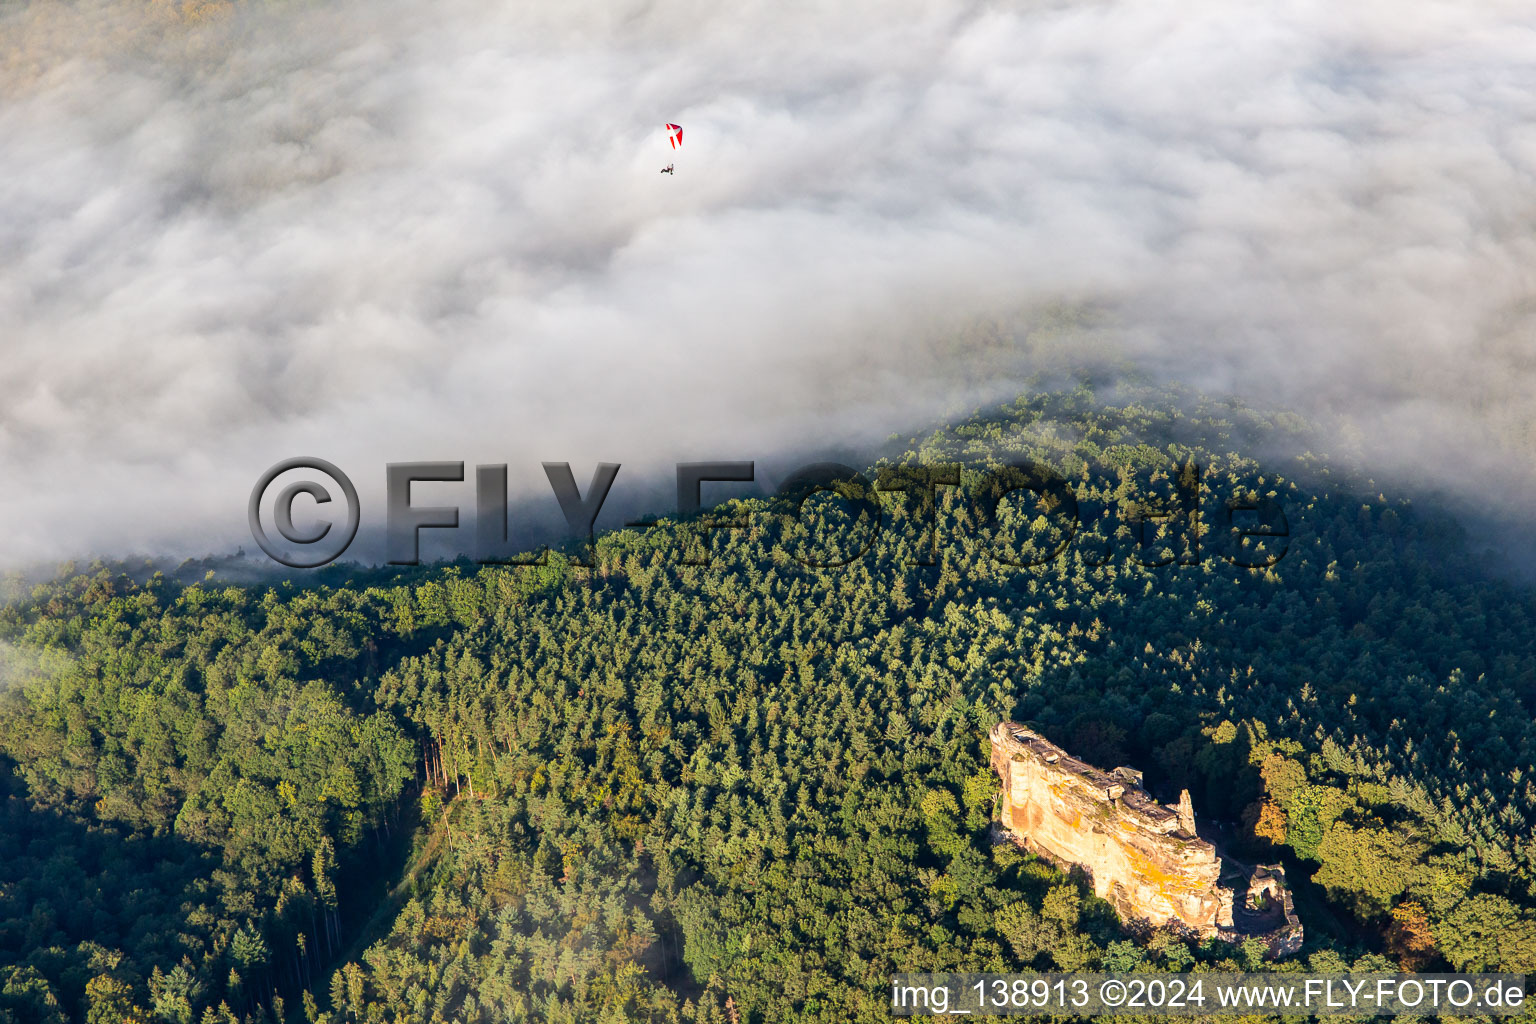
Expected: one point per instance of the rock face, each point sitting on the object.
(1147, 860)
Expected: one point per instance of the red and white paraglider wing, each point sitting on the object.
(675, 134)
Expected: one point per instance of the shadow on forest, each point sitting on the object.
(72, 892)
(63, 883)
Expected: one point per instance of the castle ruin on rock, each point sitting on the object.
(1147, 860)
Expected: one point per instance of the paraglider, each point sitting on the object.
(674, 136)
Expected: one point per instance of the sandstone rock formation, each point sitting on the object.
(1147, 860)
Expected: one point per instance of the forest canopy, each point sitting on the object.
(751, 790)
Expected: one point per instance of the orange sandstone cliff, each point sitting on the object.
(1147, 860)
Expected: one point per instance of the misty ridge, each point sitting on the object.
(233, 233)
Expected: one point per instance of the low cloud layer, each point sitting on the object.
(381, 232)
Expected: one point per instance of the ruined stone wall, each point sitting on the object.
(1141, 857)
(1283, 931)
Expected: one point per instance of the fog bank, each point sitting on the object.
(377, 232)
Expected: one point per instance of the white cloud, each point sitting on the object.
(375, 233)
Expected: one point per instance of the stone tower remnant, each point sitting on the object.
(1186, 813)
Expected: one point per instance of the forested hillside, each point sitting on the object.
(749, 791)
